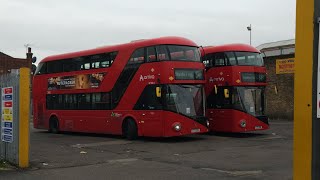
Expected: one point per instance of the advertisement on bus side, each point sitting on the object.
(81, 81)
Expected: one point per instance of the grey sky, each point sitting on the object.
(59, 26)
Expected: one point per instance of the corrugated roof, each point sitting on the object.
(276, 44)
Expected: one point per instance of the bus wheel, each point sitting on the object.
(54, 125)
(130, 129)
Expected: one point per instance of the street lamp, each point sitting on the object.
(249, 29)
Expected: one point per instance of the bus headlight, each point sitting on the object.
(177, 127)
(243, 123)
(208, 123)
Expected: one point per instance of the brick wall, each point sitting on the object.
(280, 105)
(7, 63)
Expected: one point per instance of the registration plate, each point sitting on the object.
(195, 130)
(258, 127)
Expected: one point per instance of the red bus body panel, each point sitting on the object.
(228, 120)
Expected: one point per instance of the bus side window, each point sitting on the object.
(107, 59)
(148, 99)
(251, 59)
(94, 60)
(42, 68)
(100, 101)
(162, 53)
(70, 65)
(137, 57)
(112, 57)
(69, 101)
(104, 64)
(85, 66)
(241, 58)
(49, 101)
(55, 101)
(84, 101)
(231, 58)
(208, 60)
(95, 65)
(219, 59)
(206, 63)
(151, 54)
(54, 67)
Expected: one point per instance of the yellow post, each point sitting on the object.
(303, 90)
(24, 117)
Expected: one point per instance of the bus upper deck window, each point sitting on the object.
(162, 53)
(137, 57)
(85, 66)
(151, 54)
(219, 59)
(231, 58)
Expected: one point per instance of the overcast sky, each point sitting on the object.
(59, 26)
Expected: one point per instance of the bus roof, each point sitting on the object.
(133, 45)
(229, 47)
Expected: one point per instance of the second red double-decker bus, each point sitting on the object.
(235, 88)
(151, 87)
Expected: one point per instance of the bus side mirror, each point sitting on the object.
(158, 92)
(215, 89)
(226, 93)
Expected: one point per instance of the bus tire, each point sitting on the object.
(54, 125)
(130, 129)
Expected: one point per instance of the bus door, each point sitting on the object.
(221, 119)
(73, 120)
(150, 122)
(220, 108)
(98, 119)
(149, 114)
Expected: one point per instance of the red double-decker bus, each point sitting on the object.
(151, 87)
(235, 88)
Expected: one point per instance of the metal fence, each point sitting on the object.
(9, 151)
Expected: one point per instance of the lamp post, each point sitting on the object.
(249, 29)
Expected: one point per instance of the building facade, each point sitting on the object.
(8, 63)
(279, 61)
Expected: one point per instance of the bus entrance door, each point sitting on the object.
(151, 123)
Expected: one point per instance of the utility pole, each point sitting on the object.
(250, 29)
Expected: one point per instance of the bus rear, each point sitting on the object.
(235, 88)
(145, 88)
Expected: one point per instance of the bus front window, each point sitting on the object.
(249, 59)
(184, 99)
(252, 100)
(184, 53)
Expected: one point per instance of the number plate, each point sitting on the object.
(258, 127)
(195, 130)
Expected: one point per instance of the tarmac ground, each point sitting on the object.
(259, 155)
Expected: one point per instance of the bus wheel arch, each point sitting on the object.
(130, 128)
(54, 125)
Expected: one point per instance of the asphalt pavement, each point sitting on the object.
(259, 155)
